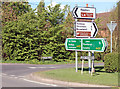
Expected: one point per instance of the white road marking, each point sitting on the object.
(4, 74)
(40, 67)
(12, 75)
(21, 76)
(40, 83)
(15, 77)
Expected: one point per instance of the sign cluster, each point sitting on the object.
(85, 32)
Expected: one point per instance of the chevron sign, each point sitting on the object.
(84, 12)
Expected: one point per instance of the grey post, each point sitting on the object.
(76, 63)
(89, 62)
(111, 36)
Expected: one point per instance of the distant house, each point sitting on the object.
(104, 19)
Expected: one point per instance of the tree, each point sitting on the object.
(11, 10)
(68, 25)
(52, 39)
(114, 17)
(41, 7)
(21, 38)
(33, 35)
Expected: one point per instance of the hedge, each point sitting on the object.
(111, 62)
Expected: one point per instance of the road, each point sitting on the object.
(13, 75)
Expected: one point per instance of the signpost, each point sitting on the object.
(85, 29)
(86, 44)
(85, 33)
(84, 13)
(111, 27)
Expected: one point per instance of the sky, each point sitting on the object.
(100, 5)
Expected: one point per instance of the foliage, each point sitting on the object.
(21, 38)
(52, 40)
(11, 10)
(68, 26)
(114, 17)
(33, 35)
(111, 62)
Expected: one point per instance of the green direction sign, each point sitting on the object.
(92, 44)
(73, 44)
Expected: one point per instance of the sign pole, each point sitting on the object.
(111, 36)
(93, 70)
(76, 55)
(89, 62)
(76, 61)
(82, 66)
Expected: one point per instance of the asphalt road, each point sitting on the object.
(13, 75)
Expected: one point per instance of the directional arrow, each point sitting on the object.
(84, 12)
(91, 44)
(85, 29)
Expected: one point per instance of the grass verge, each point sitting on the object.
(100, 77)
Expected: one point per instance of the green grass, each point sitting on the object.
(69, 74)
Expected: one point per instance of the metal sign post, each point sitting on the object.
(93, 70)
(89, 62)
(76, 62)
(111, 27)
(76, 58)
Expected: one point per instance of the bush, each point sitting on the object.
(111, 62)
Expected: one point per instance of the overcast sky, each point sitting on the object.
(100, 5)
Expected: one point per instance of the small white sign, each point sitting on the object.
(87, 57)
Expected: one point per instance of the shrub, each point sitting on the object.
(111, 62)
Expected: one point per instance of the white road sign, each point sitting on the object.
(84, 12)
(85, 29)
(111, 26)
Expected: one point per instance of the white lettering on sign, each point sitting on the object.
(71, 44)
(86, 47)
(73, 41)
(72, 47)
(87, 44)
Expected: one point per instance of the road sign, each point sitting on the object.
(73, 44)
(93, 44)
(87, 57)
(85, 29)
(84, 12)
(111, 26)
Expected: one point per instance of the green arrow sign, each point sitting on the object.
(92, 44)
